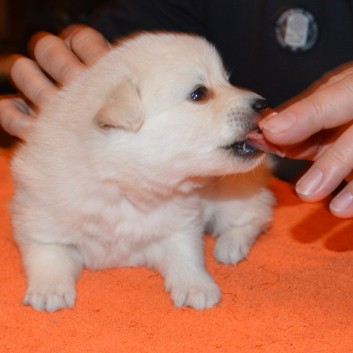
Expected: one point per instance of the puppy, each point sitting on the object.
(131, 163)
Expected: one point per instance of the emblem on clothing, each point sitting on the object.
(297, 30)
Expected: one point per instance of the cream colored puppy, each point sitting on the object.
(126, 167)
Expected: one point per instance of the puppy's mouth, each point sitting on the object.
(243, 149)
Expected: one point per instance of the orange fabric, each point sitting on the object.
(293, 294)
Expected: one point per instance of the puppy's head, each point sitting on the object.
(170, 110)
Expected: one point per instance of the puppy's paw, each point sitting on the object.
(231, 249)
(201, 295)
(50, 298)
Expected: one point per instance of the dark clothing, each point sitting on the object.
(244, 33)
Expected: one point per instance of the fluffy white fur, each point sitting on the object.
(123, 168)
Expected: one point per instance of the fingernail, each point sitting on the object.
(277, 123)
(342, 202)
(310, 183)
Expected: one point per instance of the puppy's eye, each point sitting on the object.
(200, 94)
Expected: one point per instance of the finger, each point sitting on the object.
(329, 170)
(88, 44)
(30, 79)
(324, 109)
(55, 58)
(336, 75)
(315, 146)
(310, 149)
(342, 204)
(16, 117)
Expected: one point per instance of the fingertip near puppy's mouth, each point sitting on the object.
(256, 139)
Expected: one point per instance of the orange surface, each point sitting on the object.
(293, 294)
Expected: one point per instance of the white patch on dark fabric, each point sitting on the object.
(297, 30)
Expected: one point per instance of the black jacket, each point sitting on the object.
(244, 31)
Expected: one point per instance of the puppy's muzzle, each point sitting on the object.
(259, 105)
(245, 148)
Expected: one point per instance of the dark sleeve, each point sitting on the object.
(121, 17)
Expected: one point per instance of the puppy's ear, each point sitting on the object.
(122, 108)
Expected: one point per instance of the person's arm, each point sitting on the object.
(319, 127)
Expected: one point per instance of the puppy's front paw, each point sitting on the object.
(200, 295)
(231, 248)
(50, 298)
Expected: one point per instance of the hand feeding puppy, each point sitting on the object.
(126, 166)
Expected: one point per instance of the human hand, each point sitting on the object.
(319, 127)
(57, 61)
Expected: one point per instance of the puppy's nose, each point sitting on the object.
(259, 105)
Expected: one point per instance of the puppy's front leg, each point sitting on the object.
(180, 259)
(51, 270)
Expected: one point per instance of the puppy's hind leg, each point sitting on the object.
(234, 244)
(51, 270)
(239, 222)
